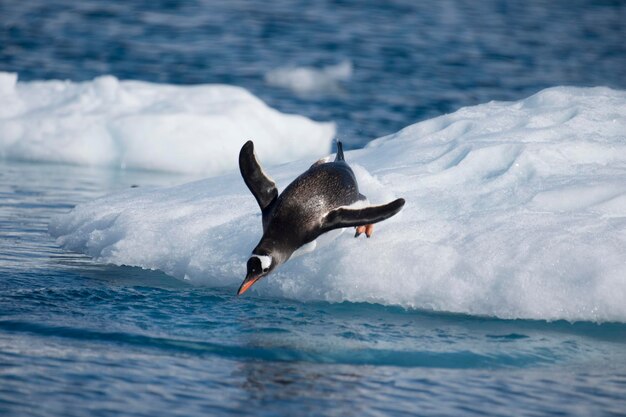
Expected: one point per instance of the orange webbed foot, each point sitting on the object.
(368, 229)
(359, 230)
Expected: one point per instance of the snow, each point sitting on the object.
(514, 210)
(140, 125)
(310, 81)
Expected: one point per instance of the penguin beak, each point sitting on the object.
(248, 282)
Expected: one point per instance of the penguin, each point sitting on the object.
(323, 198)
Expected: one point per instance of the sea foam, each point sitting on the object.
(514, 210)
(140, 125)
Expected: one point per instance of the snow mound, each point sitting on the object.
(308, 80)
(514, 210)
(139, 125)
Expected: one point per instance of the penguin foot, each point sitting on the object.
(368, 229)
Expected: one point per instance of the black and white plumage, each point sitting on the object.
(316, 202)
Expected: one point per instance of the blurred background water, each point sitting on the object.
(78, 338)
(403, 61)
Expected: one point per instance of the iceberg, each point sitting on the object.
(140, 125)
(514, 210)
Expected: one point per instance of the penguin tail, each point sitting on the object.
(339, 156)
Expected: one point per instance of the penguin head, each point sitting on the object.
(258, 267)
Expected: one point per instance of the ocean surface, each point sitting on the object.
(81, 338)
(410, 60)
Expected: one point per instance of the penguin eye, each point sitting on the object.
(265, 269)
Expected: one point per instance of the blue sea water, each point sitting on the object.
(79, 338)
(412, 60)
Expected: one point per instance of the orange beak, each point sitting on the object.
(247, 283)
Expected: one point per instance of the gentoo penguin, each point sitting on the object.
(316, 202)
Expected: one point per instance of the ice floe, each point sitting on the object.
(141, 125)
(514, 210)
(309, 80)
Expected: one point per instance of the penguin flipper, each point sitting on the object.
(347, 217)
(260, 185)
